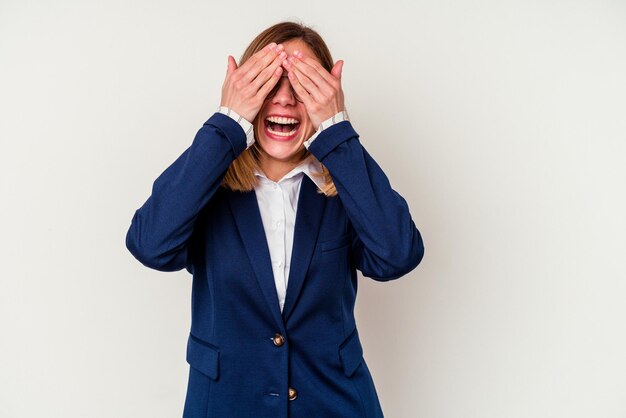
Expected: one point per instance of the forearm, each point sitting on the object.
(161, 228)
(387, 244)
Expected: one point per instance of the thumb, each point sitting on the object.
(232, 65)
(337, 69)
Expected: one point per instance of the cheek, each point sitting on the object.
(305, 121)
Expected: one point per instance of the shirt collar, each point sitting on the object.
(308, 166)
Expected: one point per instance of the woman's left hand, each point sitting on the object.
(319, 90)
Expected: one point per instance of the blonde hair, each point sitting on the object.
(240, 174)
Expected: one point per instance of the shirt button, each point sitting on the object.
(280, 264)
(278, 339)
(292, 394)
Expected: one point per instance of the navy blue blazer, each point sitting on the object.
(247, 359)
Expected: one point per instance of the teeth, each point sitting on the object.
(282, 120)
(282, 133)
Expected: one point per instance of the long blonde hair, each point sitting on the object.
(240, 174)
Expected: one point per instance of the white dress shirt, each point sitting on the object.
(278, 201)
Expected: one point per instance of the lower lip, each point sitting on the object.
(281, 138)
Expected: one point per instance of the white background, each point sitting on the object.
(502, 123)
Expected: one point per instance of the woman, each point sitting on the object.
(273, 208)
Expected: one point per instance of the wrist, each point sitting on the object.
(243, 122)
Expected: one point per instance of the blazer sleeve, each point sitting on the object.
(161, 229)
(385, 243)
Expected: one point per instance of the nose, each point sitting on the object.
(283, 93)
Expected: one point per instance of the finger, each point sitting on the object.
(337, 69)
(260, 63)
(307, 99)
(264, 62)
(250, 62)
(274, 69)
(256, 56)
(329, 77)
(232, 65)
(312, 89)
(269, 84)
(314, 75)
(267, 71)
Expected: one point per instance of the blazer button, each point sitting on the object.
(278, 339)
(292, 394)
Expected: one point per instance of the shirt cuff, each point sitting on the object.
(339, 117)
(245, 125)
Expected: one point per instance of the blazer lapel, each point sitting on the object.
(247, 216)
(311, 205)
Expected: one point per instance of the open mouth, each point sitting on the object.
(282, 127)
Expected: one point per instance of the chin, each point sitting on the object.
(281, 151)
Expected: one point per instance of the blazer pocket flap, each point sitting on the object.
(203, 357)
(335, 243)
(351, 353)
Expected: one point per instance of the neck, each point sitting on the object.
(276, 169)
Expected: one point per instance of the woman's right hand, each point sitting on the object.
(245, 88)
